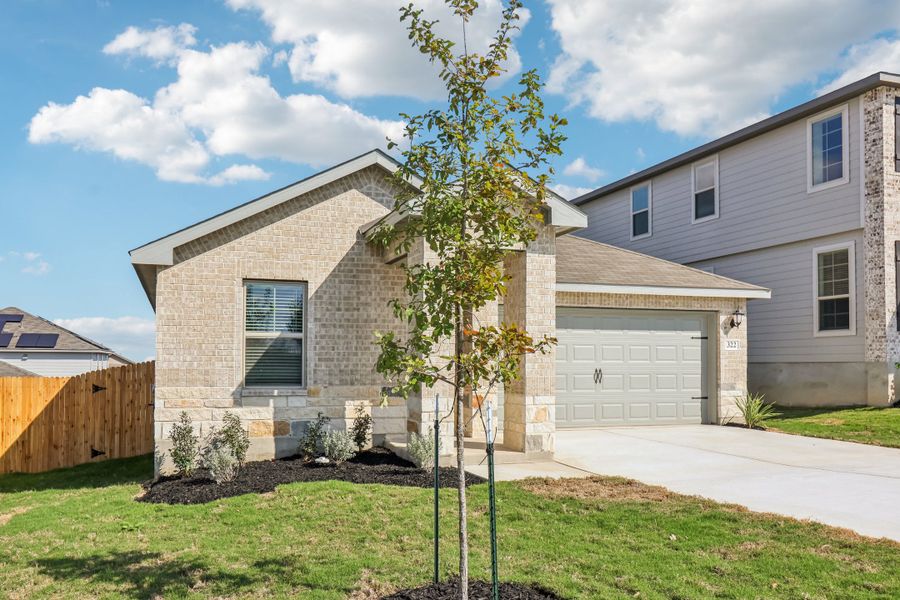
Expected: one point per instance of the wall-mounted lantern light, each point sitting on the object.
(737, 318)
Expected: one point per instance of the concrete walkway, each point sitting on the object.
(837, 483)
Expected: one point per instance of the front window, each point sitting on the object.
(834, 289)
(273, 334)
(640, 211)
(828, 149)
(706, 193)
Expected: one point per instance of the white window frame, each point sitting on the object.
(851, 264)
(844, 111)
(631, 211)
(263, 334)
(714, 159)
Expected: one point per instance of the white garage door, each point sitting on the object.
(630, 367)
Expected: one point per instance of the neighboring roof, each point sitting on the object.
(10, 370)
(162, 251)
(587, 266)
(68, 340)
(798, 112)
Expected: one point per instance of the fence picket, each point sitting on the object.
(53, 422)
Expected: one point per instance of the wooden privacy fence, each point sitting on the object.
(52, 422)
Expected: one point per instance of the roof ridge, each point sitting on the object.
(742, 284)
(98, 345)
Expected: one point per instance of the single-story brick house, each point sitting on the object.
(269, 310)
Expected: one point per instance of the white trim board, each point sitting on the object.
(658, 290)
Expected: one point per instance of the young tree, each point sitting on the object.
(482, 161)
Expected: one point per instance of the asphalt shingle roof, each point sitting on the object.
(68, 340)
(587, 262)
(10, 370)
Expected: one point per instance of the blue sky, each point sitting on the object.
(125, 121)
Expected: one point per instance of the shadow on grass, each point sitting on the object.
(797, 412)
(142, 575)
(93, 475)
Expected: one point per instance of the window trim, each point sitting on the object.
(631, 211)
(263, 334)
(844, 111)
(715, 160)
(851, 264)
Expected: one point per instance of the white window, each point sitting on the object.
(705, 187)
(827, 161)
(273, 334)
(641, 207)
(834, 310)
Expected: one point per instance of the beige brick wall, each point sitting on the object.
(731, 365)
(528, 404)
(199, 314)
(882, 229)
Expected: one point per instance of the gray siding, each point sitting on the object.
(781, 329)
(763, 201)
(57, 364)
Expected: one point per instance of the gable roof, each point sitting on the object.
(587, 266)
(161, 251)
(11, 370)
(68, 340)
(801, 111)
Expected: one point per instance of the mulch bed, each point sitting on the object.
(376, 465)
(478, 590)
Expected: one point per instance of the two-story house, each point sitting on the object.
(805, 203)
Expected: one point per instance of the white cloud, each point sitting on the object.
(702, 67)
(866, 58)
(580, 168)
(130, 336)
(570, 192)
(29, 262)
(641, 155)
(163, 44)
(127, 126)
(361, 49)
(219, 106)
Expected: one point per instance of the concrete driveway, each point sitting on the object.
(838, 483)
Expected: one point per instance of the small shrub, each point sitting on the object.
(421, 450)
(218, 457)
(312, 442)
(185, 446)
(338, 446)
(362, 426)
(235, 437)
(755, 410)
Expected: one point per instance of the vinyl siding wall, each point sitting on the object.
(782, 328)
(763, 201)
(57, 364)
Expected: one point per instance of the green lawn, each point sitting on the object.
(878, 426)
(78, 533)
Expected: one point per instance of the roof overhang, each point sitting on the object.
(658, 290)
(162, 251)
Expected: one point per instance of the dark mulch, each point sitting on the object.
(478, 590)
(376, 465)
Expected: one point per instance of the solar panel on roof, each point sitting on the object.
(37, 340)
(5, 339)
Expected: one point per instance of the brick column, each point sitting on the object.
(530, 301)
(420, 406)
(882, 229)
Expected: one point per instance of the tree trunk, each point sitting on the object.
(461, 467)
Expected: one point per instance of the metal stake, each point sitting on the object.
(492, 503)
(437, 487)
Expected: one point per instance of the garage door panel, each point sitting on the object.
(653, 366)
(613, 382)
(639, 382)
(583, 383)
(666, 382)
(639, 353)
(666, 410)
